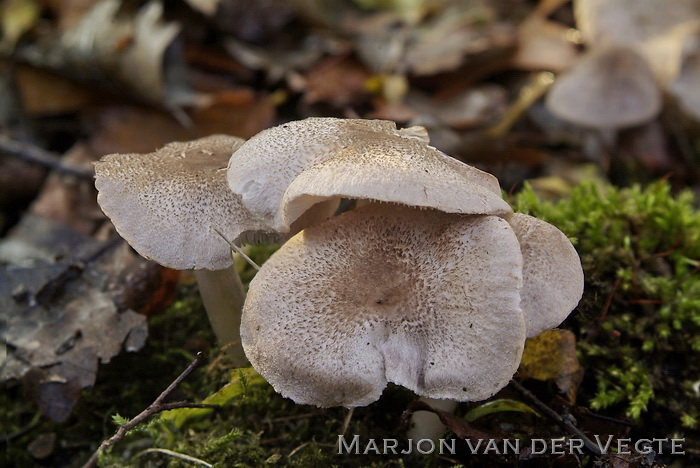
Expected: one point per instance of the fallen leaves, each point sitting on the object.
(57, 318)
(552, 356)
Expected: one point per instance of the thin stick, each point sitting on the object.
(237, 249)
(179, 455)
(346, 421)
(564, 423)
(37, 155)
(291, 454)
(154, 408)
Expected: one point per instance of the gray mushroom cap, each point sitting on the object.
(270, 170)
(656, 29)
(387, 293)
(552, 274)
(166, 203)
(610, 87)
(396, 170)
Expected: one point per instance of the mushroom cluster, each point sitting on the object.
(432, 282)
(636, 49)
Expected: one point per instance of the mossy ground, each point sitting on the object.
(638, 331)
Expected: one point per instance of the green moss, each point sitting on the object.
(639, 320)
(638, 330)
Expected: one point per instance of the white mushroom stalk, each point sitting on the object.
(168, 206)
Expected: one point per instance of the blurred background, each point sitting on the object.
(552, 92)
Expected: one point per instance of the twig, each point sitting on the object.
(154, 408)
(237, 249)
(179, 455)
(37, 155)
(302, 446)
(4, 438)
(563, 422)
(346, 421)
(608, 301)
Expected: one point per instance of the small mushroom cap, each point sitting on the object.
(608, 88)
(656, 29)
(388, 293)
(166, 203)
(552, 274)
(267, 164)
(686, 88)
(399, 171)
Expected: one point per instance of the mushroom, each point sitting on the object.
(552, 273)
(655, 29)
(386, 293)
(635, 48)
(686, 87)
(283, 171)
(167, 205)
(609, 88)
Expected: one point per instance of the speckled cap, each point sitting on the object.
(166, 203)
(552, 274)
(386, 293)
(283, 171)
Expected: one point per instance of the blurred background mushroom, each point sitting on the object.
(635, 49)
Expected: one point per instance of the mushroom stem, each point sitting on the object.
(223, 296)
(427, 425)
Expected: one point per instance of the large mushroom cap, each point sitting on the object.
(396, 170)
(165, 204)
(552, 274)
(385, 293)
(608, 88)
(267, 164)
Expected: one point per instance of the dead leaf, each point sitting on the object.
(19, 182)
(339, 81)
(69, 199)
(552, 356)
(254, 22)
(544, 45)
(430, 44)
(286, 55)
(69, 12)
(206, 7)
(42, 446)
(45, 93)
(115, 52)
(55, 317)
(478, 106)
(17, 17)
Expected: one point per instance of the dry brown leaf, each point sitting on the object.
(69, 12)
(552, 356)
(16, 18)
(55, 317)
(119, 53)
(339, 81)
(69, 199)
(544, 45)
(440, 42)
(44, 93)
